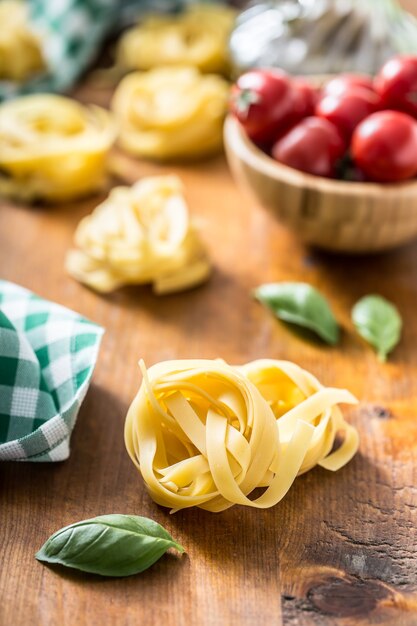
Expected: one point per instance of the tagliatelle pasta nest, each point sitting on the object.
(171, 113)
(198, 37)
(53, 148)
(203, 433)
(20, 50)
(140, 234)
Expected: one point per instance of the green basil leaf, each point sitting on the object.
(378, 322)
(300, 304)
(110, 545)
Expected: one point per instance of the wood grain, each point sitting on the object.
(341, 549)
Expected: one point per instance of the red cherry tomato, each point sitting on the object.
(348, 109)
(384, 146)
(306, 98)
(343, 83)
(262, 101)
(313, 146)
(397, 84)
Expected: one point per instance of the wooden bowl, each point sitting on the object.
(334, 215)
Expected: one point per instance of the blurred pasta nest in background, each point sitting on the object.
(141, 234)
(20, 50)
(171, 112)
(53, 148)
(203, 433)
(198, 37)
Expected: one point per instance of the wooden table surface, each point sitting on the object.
(340, 549)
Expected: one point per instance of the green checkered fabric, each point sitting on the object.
(47, 357)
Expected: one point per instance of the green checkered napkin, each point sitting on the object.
(47, 357)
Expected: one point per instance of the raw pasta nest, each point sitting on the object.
(197, 37)
(20, 50)
(52, 148)
(203, 433)
(171, 112)
(141, 234)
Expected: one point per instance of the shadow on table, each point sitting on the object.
(96, 449)
(316, 498)
(391, 273)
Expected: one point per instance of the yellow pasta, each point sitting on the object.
(205, 434)
(52, 148)
(197, 37)
(141, 234)
(20, 50)
(171, 113)
(295, 394)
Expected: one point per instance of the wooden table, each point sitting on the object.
(340, 549)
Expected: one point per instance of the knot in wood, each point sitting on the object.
(347, 597)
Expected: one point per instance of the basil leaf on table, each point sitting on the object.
(378, 322)
(110, 545)
(300, 304)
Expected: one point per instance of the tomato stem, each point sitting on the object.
(245, 99)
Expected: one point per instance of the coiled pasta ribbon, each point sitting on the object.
(197, 37)
(203, 433)
(20, 50)
(140, 234)
(171, 113)
(52, 148)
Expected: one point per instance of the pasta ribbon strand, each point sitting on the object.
(171, 113)
(142, 234)
(198, 37)
(21, 55)
(53, 148)
(203, 433)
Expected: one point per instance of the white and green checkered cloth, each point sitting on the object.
(47, 358)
